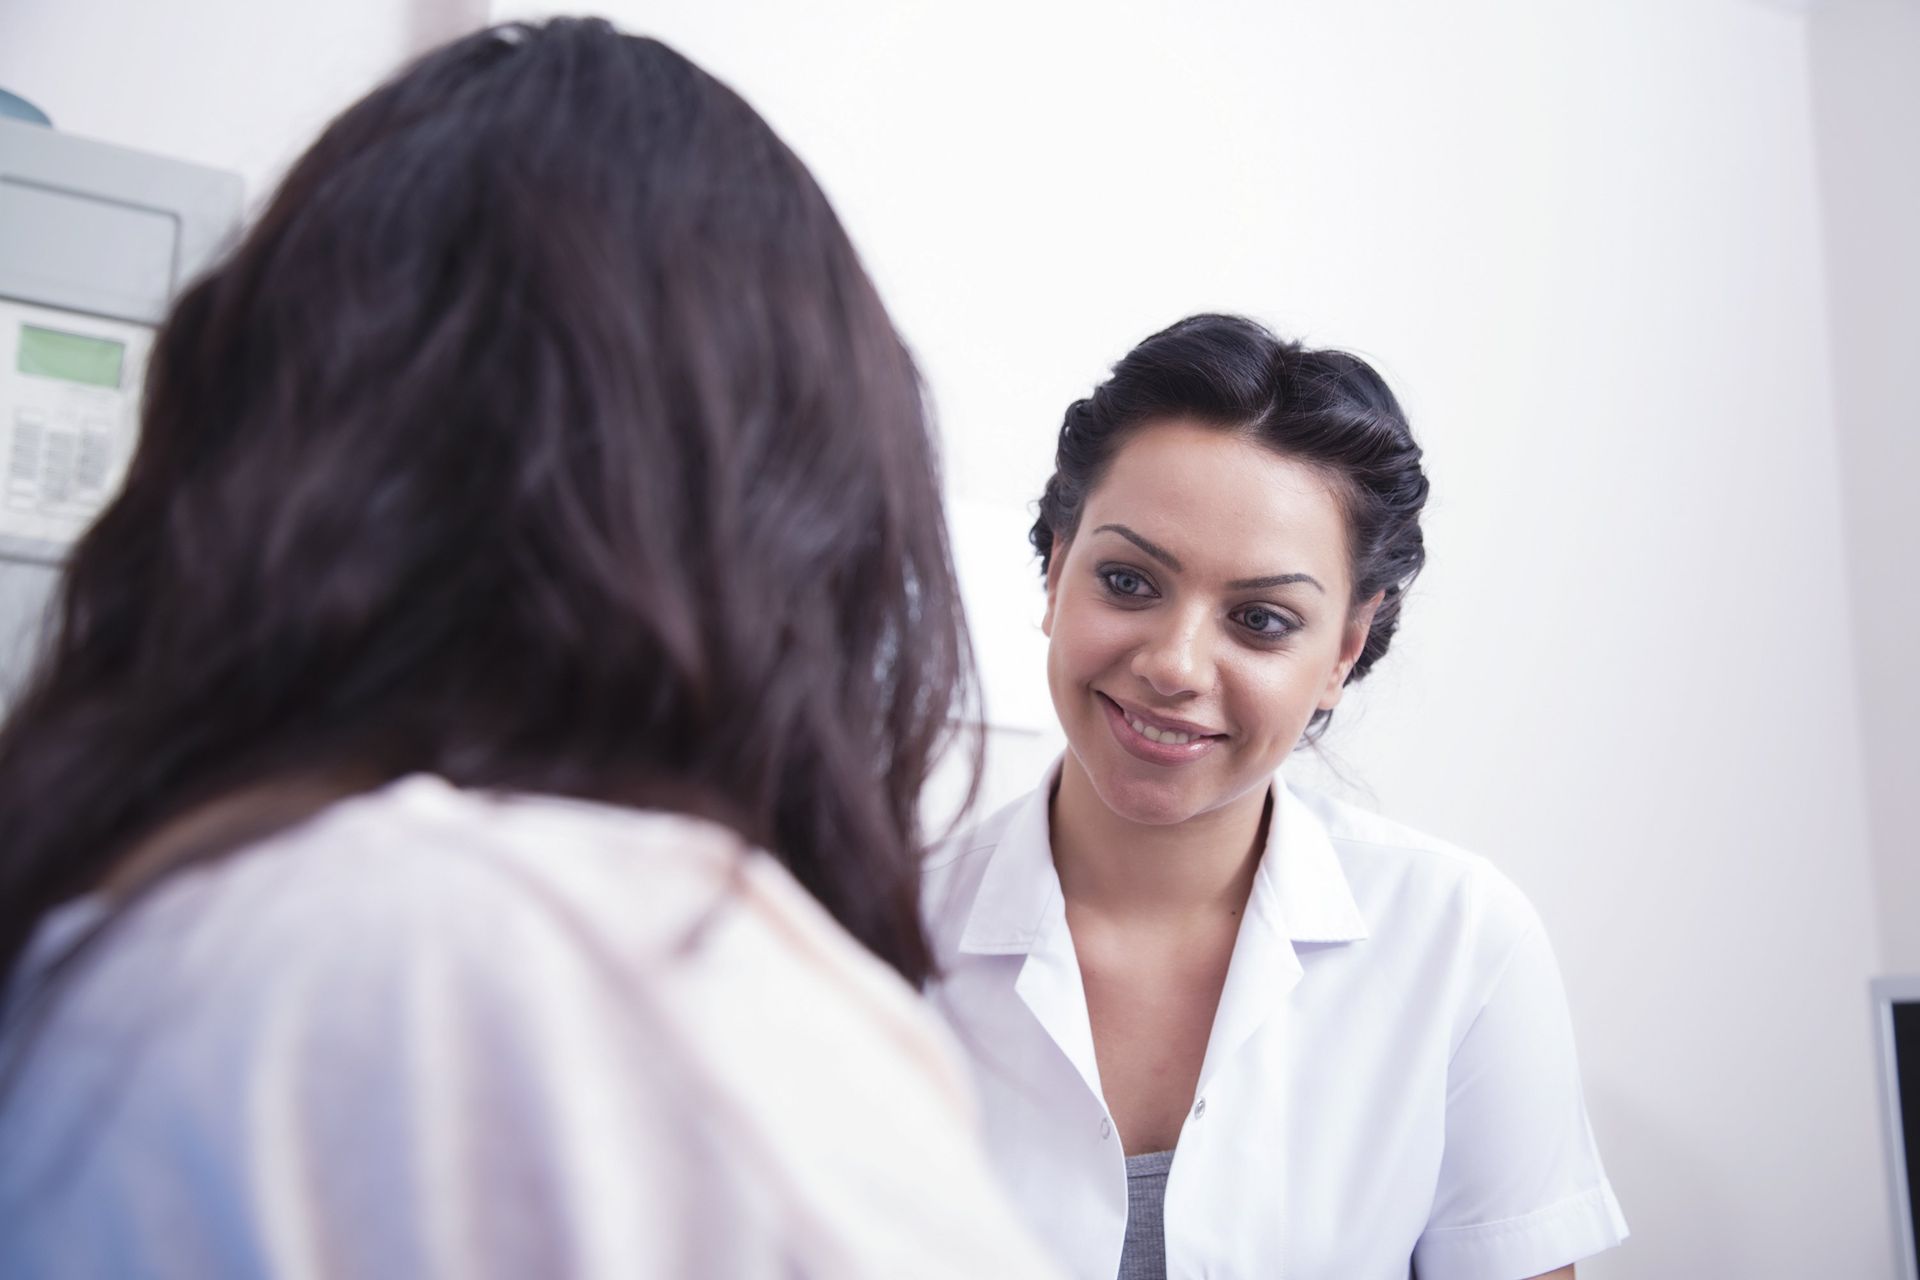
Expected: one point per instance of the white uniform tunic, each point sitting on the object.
(1390, 1074)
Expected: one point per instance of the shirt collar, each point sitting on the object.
(1302, 876)
(1020, 892)
(1299, 892)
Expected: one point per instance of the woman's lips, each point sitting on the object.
(1157, 750)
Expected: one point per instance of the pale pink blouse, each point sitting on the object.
(437, 1033)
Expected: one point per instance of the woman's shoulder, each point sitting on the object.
(621, 1006)
(423, 869)
(513, 906)
(1404, 878)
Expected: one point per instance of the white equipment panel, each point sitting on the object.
(95, 242)
(70, 385)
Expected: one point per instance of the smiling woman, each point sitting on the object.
(1223, 1027)
(1164, 595)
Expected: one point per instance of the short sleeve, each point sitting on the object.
(1521, 1189)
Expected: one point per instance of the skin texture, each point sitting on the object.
(1156, 859)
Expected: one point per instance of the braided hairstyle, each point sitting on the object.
(1328, 409)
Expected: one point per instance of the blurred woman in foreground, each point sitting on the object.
(534, 517)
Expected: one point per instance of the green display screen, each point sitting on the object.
(48, 353)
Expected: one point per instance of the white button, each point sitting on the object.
(1199, 1108)
(1106, 1128)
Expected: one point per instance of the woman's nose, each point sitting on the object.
(1174, 658)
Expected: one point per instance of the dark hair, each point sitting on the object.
(1326, 408)
(544, 433)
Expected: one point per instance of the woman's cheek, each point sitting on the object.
(1091, 640)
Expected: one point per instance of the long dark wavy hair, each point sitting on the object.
(544, 433)
(1326, 408)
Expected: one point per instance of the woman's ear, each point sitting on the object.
(1352, 643)
(1055, 558)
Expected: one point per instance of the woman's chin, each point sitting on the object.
(1148, 802)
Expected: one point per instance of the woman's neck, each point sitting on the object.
(232, 821)
(1118, 868)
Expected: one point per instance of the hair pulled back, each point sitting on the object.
(1325, 408)
(544, 433)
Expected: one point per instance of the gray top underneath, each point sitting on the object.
(1144, 1255)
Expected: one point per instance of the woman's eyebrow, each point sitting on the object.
(1159, 553)
(1172, 562)
(1276, 580)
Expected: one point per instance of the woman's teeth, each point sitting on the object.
(1152, 734)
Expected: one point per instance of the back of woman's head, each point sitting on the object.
(1322, 407)
(544, 433)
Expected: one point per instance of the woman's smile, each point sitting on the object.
(1157, 739)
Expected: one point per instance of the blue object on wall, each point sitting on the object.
(15, 107)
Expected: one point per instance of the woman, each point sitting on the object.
(1322, 1045)
(529, 523)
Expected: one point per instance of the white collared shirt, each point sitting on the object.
(1390, 1074)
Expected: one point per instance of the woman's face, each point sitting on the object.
(1197, 620)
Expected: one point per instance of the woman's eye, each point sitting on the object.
(1264, 621)
(1125, 582)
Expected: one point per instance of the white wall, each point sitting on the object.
(1583, 238)
(1866, 79)
(237, 84)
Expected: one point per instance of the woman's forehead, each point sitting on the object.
(1221, 504)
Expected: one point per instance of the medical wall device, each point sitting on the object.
(95, 241)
